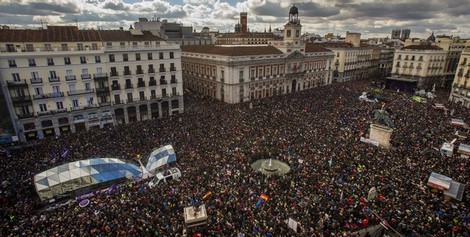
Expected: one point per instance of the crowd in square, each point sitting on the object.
(315, 131)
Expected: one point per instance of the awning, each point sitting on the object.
(458, 122)
(464, 149)
(402, 79)
(455, 191)
(439, 106)
(439, 181)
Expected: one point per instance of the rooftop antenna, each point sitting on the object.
(76, 22)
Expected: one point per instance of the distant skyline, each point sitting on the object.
(369, 17)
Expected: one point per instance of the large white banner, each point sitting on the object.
(366, 140)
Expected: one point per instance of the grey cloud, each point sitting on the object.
(17, 20)
(39, 9)
(270, 9)
(117, 7)
(312, 9)
(411, 10)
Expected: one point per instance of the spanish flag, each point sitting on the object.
(207, 195)
(264, 196)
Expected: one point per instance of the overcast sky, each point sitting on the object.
(369, 17)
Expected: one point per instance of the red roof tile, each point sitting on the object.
(231, 50)
(51, 34)
(121, 35)
(246, 35)
(422, 47)
(71, 34)
(311, 48)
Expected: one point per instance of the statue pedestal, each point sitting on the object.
(195, 217)
(381, 134)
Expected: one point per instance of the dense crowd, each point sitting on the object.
(315, 131)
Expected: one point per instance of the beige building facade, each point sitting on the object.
(460, 92)
(239, 73)
(417, 67)
(62, 79)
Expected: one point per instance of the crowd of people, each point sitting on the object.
(315, 131)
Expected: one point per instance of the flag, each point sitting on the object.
(65, 153)
(206, 195)
(264, 196)
(259, 202)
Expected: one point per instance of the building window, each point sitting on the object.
(65, 47)
(82, 60)
(149, 56)
(125, 58)
(111, 58)
(75, 103)
(11, 63)
(160, 55)
(72, 88)
(122, 44)
(135, 45)
(16, 76)
(35, 75)
(288, 33)
(80, 46)
(137, 56)
(32, 62)
(29, 48)
(172, 55)
(222, 75)
(240, 76)
(47, 47)
(297, 33)
(59, 105)
(52, 74)
(67, 60)
(42, 107)
(97, 59)
(50, 61)
(94, 46)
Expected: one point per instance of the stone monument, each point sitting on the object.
(382, 130)
(195, 215)
(271, 166)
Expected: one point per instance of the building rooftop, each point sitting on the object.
(311, 48)
(337, 45)
(231, 50)
(51, 34)
(72, 34)
(246, 35)
(422, 47)
(120, 35)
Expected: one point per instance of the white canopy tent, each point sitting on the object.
(160, 157)
(76, 175)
